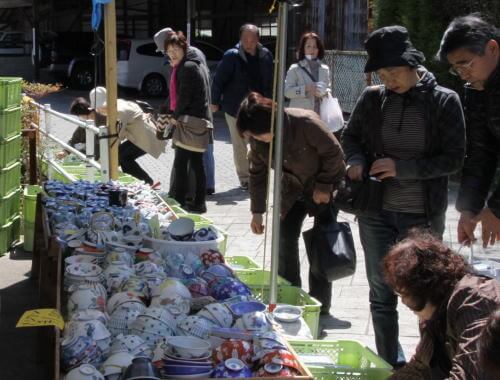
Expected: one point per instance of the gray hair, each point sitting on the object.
(249, 28)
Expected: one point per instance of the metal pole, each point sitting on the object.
(36, 41)
(111, 84)
(89, 152)
(278, 153)
(104, 154)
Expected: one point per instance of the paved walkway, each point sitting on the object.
(229, 209)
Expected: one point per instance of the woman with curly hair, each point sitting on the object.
(489, 346)
(451, 302)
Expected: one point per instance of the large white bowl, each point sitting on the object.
(189, 347)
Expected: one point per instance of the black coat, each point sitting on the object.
(444, 137)
(482, 113)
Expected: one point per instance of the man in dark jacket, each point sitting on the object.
(409, 134)
(471, 46)
(246, 67)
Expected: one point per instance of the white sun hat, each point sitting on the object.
(98, 97)
(160, 38)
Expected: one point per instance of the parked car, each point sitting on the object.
(140, 66)
(12, 43)
(67, 56)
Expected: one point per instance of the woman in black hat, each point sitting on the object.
(409, 134)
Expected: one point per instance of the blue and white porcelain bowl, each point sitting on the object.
(231, 369)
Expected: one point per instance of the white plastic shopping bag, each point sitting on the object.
(331, 113)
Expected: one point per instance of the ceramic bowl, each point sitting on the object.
(283, 357)
(164, 315)
(231, 368)
(217, 313)
(141, 368)
(181, 229)
(133, 344)
(195, 326)
(205, 234)
(123, 297)
(241, 308)
(150, 325)
(234, 348)
(211, 257)
(120, 255)
(216, 271)
(93, 329)
(228, 287)
(89, 315)
(175, 370)
(85, 298)
(137, 285)
(197, 286)
(189, 347)
(84, 372)
(77, 259)
(121, 321)
(147, 268)
(121, 360)
(255, 321)
(130, 247)
(171, 287)
(79, 350)
(177, 304)
(287, 313)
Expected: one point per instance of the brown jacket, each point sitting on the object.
(312, 159)
(448, 343)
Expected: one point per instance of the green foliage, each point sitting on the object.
(426, 21)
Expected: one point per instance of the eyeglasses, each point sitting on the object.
(174, 50)
(461, 68)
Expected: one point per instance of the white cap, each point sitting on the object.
(160, 38)
(98, 97)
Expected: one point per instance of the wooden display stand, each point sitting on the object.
(48, 268)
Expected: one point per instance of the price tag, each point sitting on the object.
(41, 317)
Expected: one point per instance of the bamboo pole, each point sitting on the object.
(111, 84)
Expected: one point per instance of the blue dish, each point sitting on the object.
(241, 308)
(184, 370)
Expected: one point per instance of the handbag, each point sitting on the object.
(330, 247)
(165, 130)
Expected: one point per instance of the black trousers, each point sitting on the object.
(127, 154)
(289, 261)
(194, 160)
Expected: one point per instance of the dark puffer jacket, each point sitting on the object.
(444, 137)
(482, 113)
(232, 80)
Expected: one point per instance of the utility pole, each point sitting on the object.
(111, 85)
(36, 41)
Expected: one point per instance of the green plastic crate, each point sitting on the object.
(29, 209)
(78, 170)
(9, 232)
(10, 122)
(10, 92)
(239, 263)
(29, 236)
(10, 178)
(10, 150)
(258, 277)
(9, 206)
(293, 295)
(359, 362)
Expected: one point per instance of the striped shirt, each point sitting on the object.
(403, 138)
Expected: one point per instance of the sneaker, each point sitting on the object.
(244, 185)
(329, 322)
(210, 191)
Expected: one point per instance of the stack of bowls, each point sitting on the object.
(196, 326)
(186, 358)
(133, 344)
(121, 321)
(141, 368)
(217, 313)
(153, 324)
(77, 274)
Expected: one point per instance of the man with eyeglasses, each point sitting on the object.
(471, 46)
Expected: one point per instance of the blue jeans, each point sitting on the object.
(378, 233)
(209, 163)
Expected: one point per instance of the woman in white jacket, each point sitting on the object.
(308, 80)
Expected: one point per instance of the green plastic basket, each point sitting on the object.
(240, 263)
(10, 178)
(10, 92)
(10, 122)
(293, 295)
(9, 233)
(351, 360)
(9, 206)
(79, 171)
(10, 150)
(258, 277)
(29, 209)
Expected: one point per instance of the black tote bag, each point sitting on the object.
(330, 247)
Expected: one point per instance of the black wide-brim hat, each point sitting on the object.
(391, 46)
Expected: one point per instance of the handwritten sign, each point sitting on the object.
(41, 317)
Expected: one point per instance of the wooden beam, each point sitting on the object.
(111, 85)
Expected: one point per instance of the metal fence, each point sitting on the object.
(348, 77)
